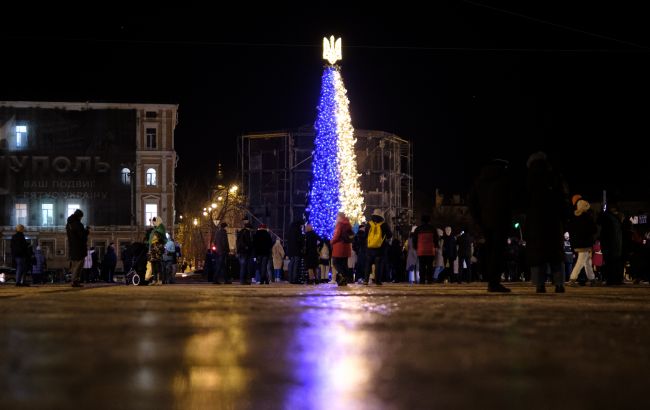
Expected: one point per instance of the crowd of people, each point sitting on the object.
(563, 242)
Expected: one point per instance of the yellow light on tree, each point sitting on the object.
(350, 193)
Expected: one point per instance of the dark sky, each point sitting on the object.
(462, 81)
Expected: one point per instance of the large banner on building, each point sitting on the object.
(52, 160)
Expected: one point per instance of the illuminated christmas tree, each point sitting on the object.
(335, 180)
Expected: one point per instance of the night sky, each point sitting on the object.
(463, 82)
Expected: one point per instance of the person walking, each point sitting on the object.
(583, 228)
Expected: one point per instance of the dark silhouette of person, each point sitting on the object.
(491, 201)
(547, 210)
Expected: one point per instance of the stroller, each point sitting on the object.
(135, 275)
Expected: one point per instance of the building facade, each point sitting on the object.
(115, 162)
(276, 171)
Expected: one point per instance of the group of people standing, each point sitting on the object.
(548, 214)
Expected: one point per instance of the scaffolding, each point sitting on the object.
(276, 171)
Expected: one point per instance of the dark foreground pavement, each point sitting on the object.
(296, 347)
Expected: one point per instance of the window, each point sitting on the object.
(151, 114)
(47, 211)
(151, 177)
(151, 138)
(21, 214)
(72, 208)
(150, 210)
(21, 136)
(126, 176)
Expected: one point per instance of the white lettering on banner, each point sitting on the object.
(41, 164)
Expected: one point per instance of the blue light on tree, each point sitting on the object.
(324, 195)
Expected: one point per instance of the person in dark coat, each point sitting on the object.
(311, 253)
(244, 248)
(127, 257)
(491, 201)
(545, 215)
(294, 242)
(109, 262)
(583, 230)
(209, 265)
(221, 253)
(611, 242)
(77, 244)
(262, 245)
(449, 254)
(20, 253)
(360, 246)
(464, 244)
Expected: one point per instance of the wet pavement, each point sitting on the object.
(200, 346)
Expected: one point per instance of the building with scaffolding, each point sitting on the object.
(276, 171)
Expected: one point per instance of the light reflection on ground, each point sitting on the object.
(332, 355)
(213, 376)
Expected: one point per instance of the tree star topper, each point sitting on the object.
(332, 50)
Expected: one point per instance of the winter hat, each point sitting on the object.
(262, 226)
(581, 207)
(575, 198)
(378, 212)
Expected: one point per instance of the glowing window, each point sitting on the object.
(21, 214)
(21, 136)
(47, 212)
(126, 176)
(151, 177)
(150, 211)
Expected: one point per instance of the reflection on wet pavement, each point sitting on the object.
(331, 355)
(286, 347)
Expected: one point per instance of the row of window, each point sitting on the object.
(21, 137)
(47, 213)
(150, 177)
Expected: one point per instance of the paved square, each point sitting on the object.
(198, 346)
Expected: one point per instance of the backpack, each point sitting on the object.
(375, 238)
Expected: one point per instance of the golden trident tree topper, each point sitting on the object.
(332, 50)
